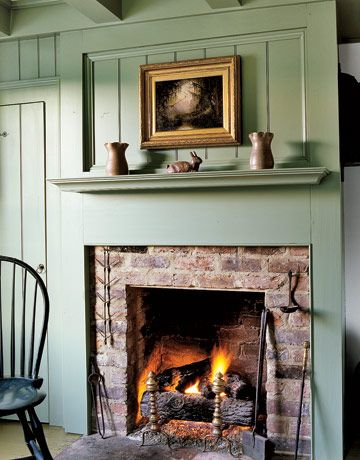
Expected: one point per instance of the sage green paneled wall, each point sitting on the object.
(28, 59)
(273, 98)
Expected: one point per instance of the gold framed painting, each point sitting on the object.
(190, 103)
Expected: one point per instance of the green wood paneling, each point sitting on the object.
(129, 112)
(272, 87)
(9, 58)
(29, 59)
(286, 96)
(47, 57)
(106, 107)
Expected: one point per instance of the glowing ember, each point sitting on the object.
(194, 389)
(174, 383)
(220, 361)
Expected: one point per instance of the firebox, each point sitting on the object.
(185, 312)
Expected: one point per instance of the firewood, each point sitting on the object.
(237, 388)
(183, 376)
(172, 405)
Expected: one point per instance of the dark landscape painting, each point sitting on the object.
(188, 104)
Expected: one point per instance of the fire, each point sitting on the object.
(194, 389)
(220, 361)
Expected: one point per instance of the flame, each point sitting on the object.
(220, 361)
(194, 389)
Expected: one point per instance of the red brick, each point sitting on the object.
(196, 263)
(260, 282)
(183, 280)
(286, 408)
(279, 425)
(159, 278)
(305, 427)
(230, 263)
(303, 283)
(300, 319)
(250, 265)
(294, 337)
(276, 299)
(221, 281)
(284, 264)
(299, 251)
(133, 277)
(216, 250)
(149, 261)
(175, 250)
(265, 250)
(118, 408)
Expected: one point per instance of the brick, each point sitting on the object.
(132, 249)
(303, 283)
(196, 263)
(284, 264)
(288, 372)
(299, 251)
(117, 393)
(250, 350)
(183, 280)
(118, 408)
(250, 265)
(286, 408)
(159, 278)
(133, 277)
(278, 425)
(259, 282)
(294, 337)
(221, 281)
(278, 354)
(148, 261)
(230, 263)
(216, 250)
(174, 250)
(283, 444)
(251, 321)
(300, 319)
(265, 250)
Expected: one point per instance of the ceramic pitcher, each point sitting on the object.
(261, 156)
(116, 163)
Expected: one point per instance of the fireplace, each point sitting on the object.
(162, 308)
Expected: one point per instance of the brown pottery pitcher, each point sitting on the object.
(261, 156)
(116, 163)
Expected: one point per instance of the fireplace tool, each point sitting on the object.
(218, 387)
(154, 427)
(292, 305)
(96, 381)
(254, 443)
(305, 357)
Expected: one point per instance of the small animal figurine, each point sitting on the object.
(185, 166)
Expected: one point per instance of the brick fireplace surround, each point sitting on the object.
(261, 269)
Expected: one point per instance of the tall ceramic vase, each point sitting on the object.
(116, 163)
(261, 156)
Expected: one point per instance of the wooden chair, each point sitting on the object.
(24, 313)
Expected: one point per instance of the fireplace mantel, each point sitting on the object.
(199, 180)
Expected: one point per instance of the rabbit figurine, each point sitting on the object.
(185, 166)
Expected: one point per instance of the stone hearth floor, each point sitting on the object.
(120, 448)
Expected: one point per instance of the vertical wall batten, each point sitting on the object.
(1, 332)
(268, 124)
(23, 322)
(12, 325)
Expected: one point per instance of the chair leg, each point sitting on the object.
(38, 431)
(28, 435)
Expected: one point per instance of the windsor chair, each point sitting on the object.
(24, 313)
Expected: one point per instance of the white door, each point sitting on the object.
(22, 194)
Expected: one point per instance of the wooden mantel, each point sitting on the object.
(199, 180)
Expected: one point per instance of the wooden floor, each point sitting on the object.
(12, 443)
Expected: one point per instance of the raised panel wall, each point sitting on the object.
(272, 98)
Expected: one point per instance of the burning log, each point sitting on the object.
(180, 378)
(177, 406)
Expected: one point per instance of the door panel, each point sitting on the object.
(22, 194)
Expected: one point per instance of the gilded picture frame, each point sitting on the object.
(190, 103)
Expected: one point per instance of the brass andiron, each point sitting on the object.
(154, 427)
(218, 387)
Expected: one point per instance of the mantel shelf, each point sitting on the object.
(198, 180)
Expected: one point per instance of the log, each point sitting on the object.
(173, 405)
(237, 388)
(180, 378)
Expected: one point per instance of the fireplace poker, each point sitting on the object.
(152, 387)
(305, 358)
